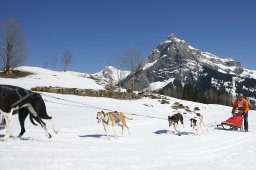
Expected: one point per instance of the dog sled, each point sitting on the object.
(233, 123)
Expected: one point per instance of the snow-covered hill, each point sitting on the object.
(82, 144)
(110, 73)
(45, 77)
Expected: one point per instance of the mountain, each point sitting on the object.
(110, 73)
(174, 63)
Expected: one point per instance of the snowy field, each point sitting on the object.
(82, 144)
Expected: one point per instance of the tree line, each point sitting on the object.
(209, 96)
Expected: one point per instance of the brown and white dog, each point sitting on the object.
(174, 120)
(112, 118)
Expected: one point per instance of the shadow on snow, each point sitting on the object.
(165, 131)
(94, 136)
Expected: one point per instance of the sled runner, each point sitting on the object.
(233, 123)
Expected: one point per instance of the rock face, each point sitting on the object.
(175, 63)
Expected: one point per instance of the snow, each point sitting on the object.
(174, 39)
(159, 84)
(44, 77)
(192, 48)
(112, 73)
(222, 67)
(148, 65)
(179, 40)
(82, 144)
(251, 73)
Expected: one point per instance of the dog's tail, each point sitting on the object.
(31, 117)
(128, 118)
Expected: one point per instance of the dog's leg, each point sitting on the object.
(121, 127)
(114, 131)
(196, 130)
(8, 126)
(175, 125)
(32, 110)
(54, 127)
(181, 120)
(113, 127)
(193, 128)
(200, 124)
(197, 127)
(53, 124)
(125, 125)
(22, 116)
(128, 131)
(43, 125)
(105, 128)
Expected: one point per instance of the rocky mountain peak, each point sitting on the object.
(176, 63)
(171, 36)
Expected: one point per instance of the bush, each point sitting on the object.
(164, 102)
(15, 74)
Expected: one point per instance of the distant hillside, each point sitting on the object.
(110, 73)
(45, 77)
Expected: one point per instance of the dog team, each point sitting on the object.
(16, 100)
(119, 119)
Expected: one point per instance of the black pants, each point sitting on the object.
(245, 115)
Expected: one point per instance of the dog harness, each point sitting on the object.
(115, 114)
(21, 98)
(103, 120)
(18, 93)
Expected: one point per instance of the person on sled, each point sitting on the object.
(241, 104)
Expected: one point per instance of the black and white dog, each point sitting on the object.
(174, 120)
(16, 100)
(196, 122)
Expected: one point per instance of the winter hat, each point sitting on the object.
(240, 95)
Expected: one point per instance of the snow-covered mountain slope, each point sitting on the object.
(82, 144)
(110, 73)
(44, 77)
(175, 63)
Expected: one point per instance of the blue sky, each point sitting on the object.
(93, 30)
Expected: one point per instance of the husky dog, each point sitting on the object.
(197, 122)
(174, 120)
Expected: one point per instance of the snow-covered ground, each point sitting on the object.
(82, 144)
(44, 77)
